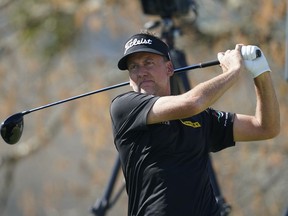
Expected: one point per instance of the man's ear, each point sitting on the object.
(170, 68)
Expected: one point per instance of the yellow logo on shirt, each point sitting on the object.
(191, 124)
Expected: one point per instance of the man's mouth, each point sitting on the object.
(146, 83)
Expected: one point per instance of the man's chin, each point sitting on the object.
(147, 91)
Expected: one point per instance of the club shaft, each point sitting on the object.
(75, 97)
(195, 66)
(178, 70)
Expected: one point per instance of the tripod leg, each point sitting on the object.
(101, 206)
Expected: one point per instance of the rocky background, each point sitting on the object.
(52, 50)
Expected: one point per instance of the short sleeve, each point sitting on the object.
(129, 111)
(221, 130)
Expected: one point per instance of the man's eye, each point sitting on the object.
(132, 67)
(149, 63)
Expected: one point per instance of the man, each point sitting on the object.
(164, 140)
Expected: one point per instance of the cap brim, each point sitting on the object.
(122, 63)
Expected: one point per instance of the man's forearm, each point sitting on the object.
(267, 109)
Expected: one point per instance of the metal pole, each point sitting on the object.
(101, 206)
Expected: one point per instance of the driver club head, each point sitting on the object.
(12, 128)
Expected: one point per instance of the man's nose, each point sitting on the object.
(142, 70)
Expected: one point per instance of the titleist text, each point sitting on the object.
(135, 42)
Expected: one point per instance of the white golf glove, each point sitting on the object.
(256, 64)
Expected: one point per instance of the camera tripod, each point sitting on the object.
(179, 84)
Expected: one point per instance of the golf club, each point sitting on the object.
(12, 127)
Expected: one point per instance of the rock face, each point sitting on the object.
(72, 169)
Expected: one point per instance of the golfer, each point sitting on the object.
(164, 140)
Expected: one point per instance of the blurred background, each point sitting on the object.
(51, 50)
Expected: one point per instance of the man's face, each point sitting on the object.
(150, 73)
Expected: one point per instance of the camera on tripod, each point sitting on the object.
(167, 8)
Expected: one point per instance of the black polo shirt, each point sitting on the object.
(165, 164)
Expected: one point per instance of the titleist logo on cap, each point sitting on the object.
(134, 42)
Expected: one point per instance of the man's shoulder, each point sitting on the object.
(122, 97)
(125, 94)
(131, 95)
